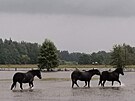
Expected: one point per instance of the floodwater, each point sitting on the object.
(56, 86)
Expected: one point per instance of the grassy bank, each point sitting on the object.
(61, 66)
(85, 66)
(18, 66)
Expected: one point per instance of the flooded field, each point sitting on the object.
(56, 86)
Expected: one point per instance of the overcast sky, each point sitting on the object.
(73, 25)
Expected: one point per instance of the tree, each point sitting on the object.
(84, 59)
(48, 55)
(24, 59)
(32, 52)
(129, 54)
(118, 56)
(100, 57)
(123, 55)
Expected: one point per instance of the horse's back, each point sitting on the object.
(110, 76)
(104, 75)
(18, 76)
(80, 75)
(75, 74)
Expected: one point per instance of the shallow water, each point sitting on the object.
(55, 88)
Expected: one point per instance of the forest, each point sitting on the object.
(13, 52)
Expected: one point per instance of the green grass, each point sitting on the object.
(85, 66)
(91, 66)
(130, 66)
(61, 66)
(18, 66)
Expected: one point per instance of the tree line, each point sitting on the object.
(100, 57)
(13, 52)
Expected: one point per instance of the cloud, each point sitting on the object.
(77, 7)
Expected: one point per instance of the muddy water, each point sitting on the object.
(56, 86)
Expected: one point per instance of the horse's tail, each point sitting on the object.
(72, 76)
(14, 82)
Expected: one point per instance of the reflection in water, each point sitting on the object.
(113, 88)
(99, 93)
(24, 90)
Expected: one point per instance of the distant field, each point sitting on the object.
(85, 66)
(18, 66)
(91, 66)
(62, 66)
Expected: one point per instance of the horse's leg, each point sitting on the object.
(119, 82)
(112, 83)
(12, 86)
(85, 84)
(89, 83)
(21, 85)
(100, 82)
(76, 83)
(73, 84)
(30, 84)
(103, 83)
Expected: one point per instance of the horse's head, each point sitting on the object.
(120, 71)
(37, 73)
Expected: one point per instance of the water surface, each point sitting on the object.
(56, 86)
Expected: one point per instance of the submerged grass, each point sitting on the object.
(56, 79)
(5, 80)
(50, 79)
(61, 79)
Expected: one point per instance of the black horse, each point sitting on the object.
(110, 76)
(83, 76)
(25, 78)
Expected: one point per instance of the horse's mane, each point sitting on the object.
(79, 71)
(33, 71)
(118, 69)
(91, 70)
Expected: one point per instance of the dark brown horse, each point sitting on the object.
(110, 76)
(83, 76)
(25, 78)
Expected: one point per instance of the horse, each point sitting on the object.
(27, 77)
(111, 76)
(83, 76)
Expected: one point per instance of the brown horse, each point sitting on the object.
(83, 76)
(110, 76)
(25, 78)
